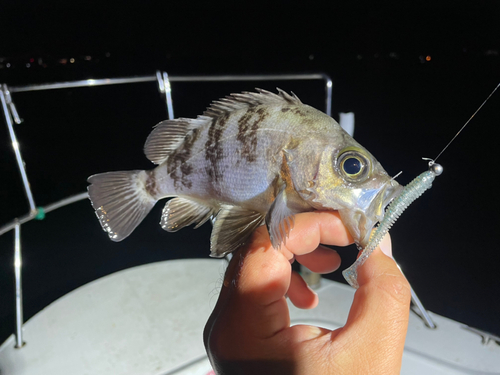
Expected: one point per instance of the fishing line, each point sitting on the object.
(410, 193)
(463, 127)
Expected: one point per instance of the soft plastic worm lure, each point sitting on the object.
(409, 194)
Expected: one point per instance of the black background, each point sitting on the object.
(406, 108)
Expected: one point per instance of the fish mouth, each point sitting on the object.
(361, 220)
(376, 211)
(388, 196)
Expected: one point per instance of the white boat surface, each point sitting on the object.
(149, 319)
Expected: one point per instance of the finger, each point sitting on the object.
(380, 310)
(252, 303)
(321, 260)
(312, 228)
(300, 294)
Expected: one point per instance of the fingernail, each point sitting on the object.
(310, 287)
(386, 246)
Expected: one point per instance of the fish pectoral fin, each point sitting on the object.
(232, 228)
(279, 219)
(303, 179)
(180, 212)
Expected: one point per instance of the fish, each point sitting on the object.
(251, 159)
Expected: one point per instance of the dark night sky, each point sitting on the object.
(405, 107)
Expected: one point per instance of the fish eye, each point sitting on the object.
(353, 165)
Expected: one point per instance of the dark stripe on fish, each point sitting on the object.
(178, 165)
(248, 125)
(298, 112)
(150, 184)
(213, 146)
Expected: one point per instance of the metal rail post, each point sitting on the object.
(163, 80)
(165, 89)
(5, 99)
(18, 285)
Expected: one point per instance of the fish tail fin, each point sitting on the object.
(120, 200)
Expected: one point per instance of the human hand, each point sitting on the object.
(249, 330)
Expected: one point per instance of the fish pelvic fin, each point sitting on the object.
(120, 200)
(180, 212)
(232, 228)
(279, 219)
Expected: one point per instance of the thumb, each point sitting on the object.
(380, 310)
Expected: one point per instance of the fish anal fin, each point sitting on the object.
(232, 228)
(279, 218)
(180, 212)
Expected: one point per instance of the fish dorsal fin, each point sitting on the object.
(232, 228)
(180, 212)
(168, 135)
(247, 99)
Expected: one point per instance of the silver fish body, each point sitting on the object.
(250, 158)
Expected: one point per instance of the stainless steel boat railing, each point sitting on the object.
(163, 80)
